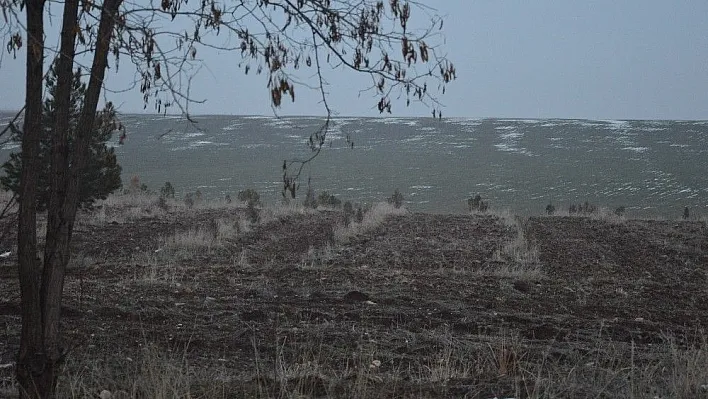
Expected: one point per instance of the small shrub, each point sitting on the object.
(162, 204)
(359, 216)
(550, 209)
(252, 213)
(476, 204)
(329, 200)
(228, 199)
(310, 200)
(248, 196)
(167, 191)
(584, 208)
(619, 211)
(197, 196)
(189, 200)
(134, 185)
(396, 199)
(348, 208)
(686, 214)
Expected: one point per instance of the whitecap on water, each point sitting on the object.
(636, 149)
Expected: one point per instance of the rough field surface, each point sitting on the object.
(418, 306)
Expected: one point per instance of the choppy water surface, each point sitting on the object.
(650, 167)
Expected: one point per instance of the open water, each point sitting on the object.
(653, 168)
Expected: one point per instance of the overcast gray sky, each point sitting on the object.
(628, 59)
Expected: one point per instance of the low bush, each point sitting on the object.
(252, 213)
(310, 200)
(189, 200)
(584, 208)
(328, 200)
(248, 196)
(550, 209)
(167, 191)
(396, 199)
(475, 204)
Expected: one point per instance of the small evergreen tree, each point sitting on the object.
(167, 191)
(101, 176)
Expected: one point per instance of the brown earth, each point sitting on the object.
(420, 294)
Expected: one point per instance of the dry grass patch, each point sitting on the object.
(517, 258)
(373, 218)
(214, 234)
(155, 374)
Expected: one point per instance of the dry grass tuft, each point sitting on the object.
(517, 258)
(372, 219)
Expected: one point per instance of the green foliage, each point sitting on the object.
(475, 204)
(100, 177)
(249, 196)
(550, 209)
(620, 211)
(329, 200)
(167, 191)
(396, 199)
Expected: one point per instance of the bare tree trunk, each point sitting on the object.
(31, 358)
(56, 254)
(40, 354)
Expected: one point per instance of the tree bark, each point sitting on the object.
(40, 354)
(31, 358)
(56, 251)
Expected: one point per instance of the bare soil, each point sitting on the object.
(415, 289)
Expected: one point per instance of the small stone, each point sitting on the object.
(105, 394)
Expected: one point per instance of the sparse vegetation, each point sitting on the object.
(189, 200)
(620, 211)
(448, 284)
(167, 191)
(248, 196)
(396, 199)
(328, 200)
(365, 221)
(310, 199)
(686, 213)
(475, 204)
(252, 213)
(137, 187)
(585, 208)
(550, 209)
